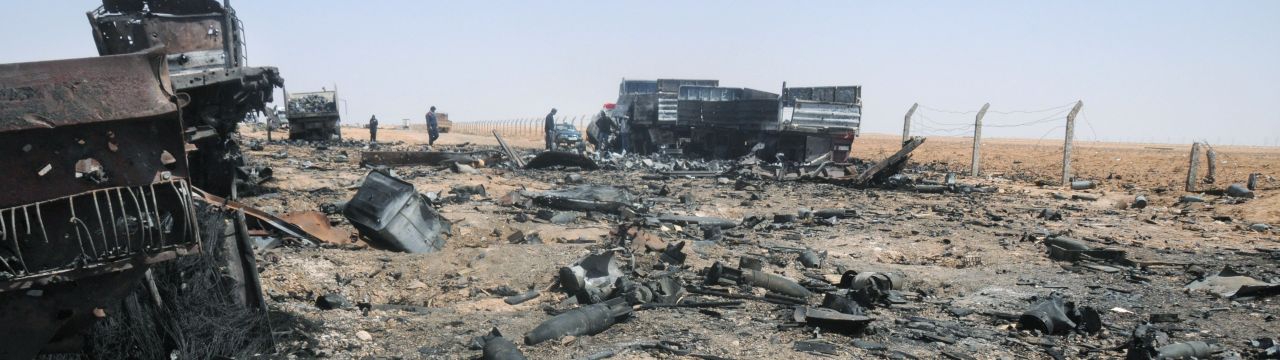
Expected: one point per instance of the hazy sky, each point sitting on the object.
(1146, 70)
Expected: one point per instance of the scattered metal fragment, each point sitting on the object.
(332, 301)
(1230, 284)
(1187, 350)
(1082, 185)
(497, 347)
(698, 220)
(522, 297)
(1139, 202)
(391, 215)
(548, 159)
(832, 320)
(811, 259)
(1190, 199)
(758, 278)
(584, 320)
(1240, 191)
(815, 346)
(1057, 316)
(890, 165)
(597, 198)
(592, 278)
(317, 224)
(430, 158)
(1067, 249)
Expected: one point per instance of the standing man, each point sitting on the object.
(433, 128)
(624, 136)
(551, 128)
(373, 129)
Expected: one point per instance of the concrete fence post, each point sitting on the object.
(1066, 145)
(906, 124)
(1193, 167)
(975, 166)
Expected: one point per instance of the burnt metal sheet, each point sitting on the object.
(391, 215)
(317, 224)
(50, 94)
(432, 158)
(263, 217)
(548, 159)
(134, 31)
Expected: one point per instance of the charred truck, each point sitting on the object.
(313, 116)
(108, 245)
(699, 117)
(204, 46)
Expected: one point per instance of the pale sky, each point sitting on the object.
(1146, 70)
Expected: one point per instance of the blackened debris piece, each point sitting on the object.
(522, 297)
(832, 320)
(889, 166)
(761, 279)
(1139, 202)
(1067, 249)
(592, 278)
(497, 347)
(599, 198)
(332, 301)
(1240, 191)
(703, 221)
(1231, 284)
(673, 254)
(811, 259)
(585, 320)
(430, 158)
(548, 159)
(391, 215)
(1058, 316)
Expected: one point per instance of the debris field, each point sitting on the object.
(652, 256)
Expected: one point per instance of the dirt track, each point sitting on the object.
(957, 251)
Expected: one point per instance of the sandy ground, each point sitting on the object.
(969, 251)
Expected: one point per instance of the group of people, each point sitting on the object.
(433, 128)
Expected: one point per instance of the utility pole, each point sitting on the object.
(906, 124)
(977, 140)
(1066, 145)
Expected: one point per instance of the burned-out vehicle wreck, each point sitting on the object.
(700, 117)
(110, 245)
(204, 48)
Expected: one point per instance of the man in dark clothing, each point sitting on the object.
(551, 128)
(373, 129)
(433, 128)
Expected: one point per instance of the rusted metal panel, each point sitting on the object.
(50, 94)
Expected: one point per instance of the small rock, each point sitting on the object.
(1260, 227)
(364, 335)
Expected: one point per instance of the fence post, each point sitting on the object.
(906, 124)
(1194, 166)
(977, 140)
(1066, 145)
(1212, 157)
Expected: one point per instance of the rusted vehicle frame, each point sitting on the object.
(97, 190)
